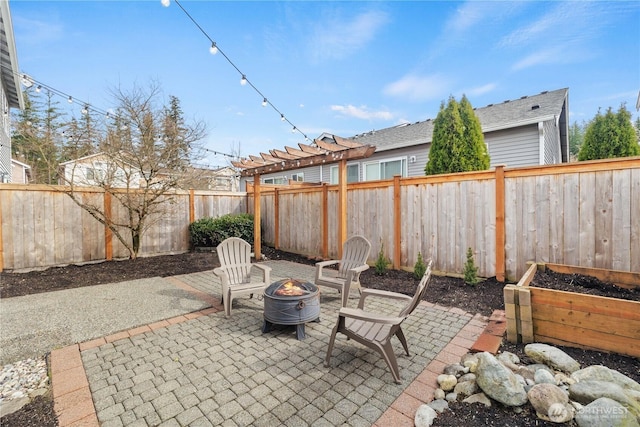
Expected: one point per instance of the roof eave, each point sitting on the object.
(11, 79)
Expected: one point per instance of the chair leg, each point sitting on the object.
(331, 342)
(389, 356)
(403, 340)
(227, 305)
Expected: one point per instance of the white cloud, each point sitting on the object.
(32, 31)
(362, 112)
(418, 88)
(481, 90)
(336, 38)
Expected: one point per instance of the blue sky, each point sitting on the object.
(331, 66)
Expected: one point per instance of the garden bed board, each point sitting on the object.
(536, 314)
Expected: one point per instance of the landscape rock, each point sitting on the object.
(602, 373)
(586, 392)
(498, 382)
(451, 397)
(605, 412)
(467, 377)
(478, 398)
(470, 360)
(466, 388)
(425, 415)
(551, 403)
(455, 370)
(509, 360)
(543, 376)
(551, 356)
(440, 405)
(438, 394)
(447, 382)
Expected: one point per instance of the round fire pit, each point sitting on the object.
(291, 302)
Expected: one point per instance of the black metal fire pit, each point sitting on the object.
(291, 302)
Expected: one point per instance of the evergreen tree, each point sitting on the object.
(458, 143)
(610, 135)
(576, 137)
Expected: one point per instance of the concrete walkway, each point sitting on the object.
(196, 367)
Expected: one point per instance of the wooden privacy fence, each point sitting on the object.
(584, 214)
(42, 226)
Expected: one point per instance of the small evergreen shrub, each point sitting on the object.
(420, 267)
(470, 270)
(382, 262)
(210, 232)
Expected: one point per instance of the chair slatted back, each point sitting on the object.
(355, 253)
(235, 255)
(420, 291)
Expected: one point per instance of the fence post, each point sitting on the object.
(256, 217)
(500, 237)
(192, 205)
(325, 220)
(276, 218)
(342, 205)
(108, 243)
(397, 218)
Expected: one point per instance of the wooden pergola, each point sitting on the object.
(318, 154)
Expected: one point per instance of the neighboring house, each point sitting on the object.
(20, 172)
(10, 93)
(532, 130)
(221, 179)
(95, 169)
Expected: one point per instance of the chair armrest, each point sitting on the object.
(322, 264)
(368, 292)
(266, 272)
(221, 273)
(356, 313)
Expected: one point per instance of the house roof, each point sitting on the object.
(9, 74)
(508, 114)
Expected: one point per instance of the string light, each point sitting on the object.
(243, 81)
(70, 99)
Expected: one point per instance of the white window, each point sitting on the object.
(277, 180)
(353, 173)
(385, 169)
(298, 177)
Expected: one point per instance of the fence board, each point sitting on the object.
(603, 219)
(571, 220)
(621, 226)
(635, 220)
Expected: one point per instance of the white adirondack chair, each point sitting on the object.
(355, 253)
(375, 330)
(234, 272)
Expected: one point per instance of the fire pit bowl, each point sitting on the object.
(291, 302)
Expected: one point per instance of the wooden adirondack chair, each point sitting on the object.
(355, 253)
(235, 271)
(375, 330)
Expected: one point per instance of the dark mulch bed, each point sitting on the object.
(482, 298)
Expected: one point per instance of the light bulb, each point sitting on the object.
(282, 117)
(243, 80)
(264, 102)
(70, 100)
(293, 130)
(39, 88)
(165, 3)
(213, 49)
(85, 110)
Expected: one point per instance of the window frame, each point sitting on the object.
(403, 165)
(335, 167)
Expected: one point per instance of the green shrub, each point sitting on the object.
(210, 232)
(420, 267)
(382, 262)
(470, 270)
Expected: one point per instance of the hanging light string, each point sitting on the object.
(29, 82)
(243, 80)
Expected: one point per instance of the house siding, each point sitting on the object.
(514, 147)
(552, 153)
(5, 139)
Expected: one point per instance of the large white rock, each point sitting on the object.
(587, 391)
(425, 415)
(551, 356)
(498, 382)
(602, 373)
(605, 412)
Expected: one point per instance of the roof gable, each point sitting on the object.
(9, 74)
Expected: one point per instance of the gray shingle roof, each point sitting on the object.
(506, 115)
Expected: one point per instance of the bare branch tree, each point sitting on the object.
(144, 157)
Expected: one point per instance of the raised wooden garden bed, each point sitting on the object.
(573, 319)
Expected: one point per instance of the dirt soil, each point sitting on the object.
(483, 298)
